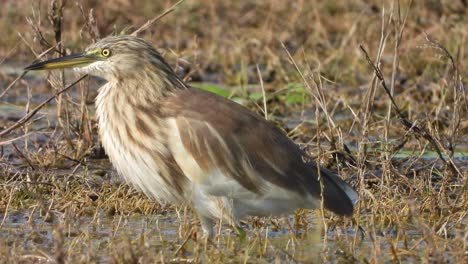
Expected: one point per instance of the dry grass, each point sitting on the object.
(301, 61)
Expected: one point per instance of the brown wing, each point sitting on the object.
(221, 135)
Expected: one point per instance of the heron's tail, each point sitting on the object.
(338, 196)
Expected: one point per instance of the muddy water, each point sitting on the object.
(28, 232)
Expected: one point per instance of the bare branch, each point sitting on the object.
(406, 122)
(25, 118)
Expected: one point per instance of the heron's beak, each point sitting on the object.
(74, 60)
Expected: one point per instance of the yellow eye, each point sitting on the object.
(105, 52)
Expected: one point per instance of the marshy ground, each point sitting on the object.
(301, 64)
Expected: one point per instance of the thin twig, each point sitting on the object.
(265, 112)
(406, 122)
(24, 73)
(25, 118)
(2, 143)
(18, 151)
(152, 21)
(13, 190)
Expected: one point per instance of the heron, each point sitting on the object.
(183, 145)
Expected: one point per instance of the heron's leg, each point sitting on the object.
(207, 225)
(236, 214)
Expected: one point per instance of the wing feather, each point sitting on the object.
(238, 152)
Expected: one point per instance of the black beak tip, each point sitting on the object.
(33, 67)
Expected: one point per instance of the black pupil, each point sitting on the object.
(105, 52)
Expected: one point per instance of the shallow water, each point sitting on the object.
(99, 235)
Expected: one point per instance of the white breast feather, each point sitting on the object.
(137, 167)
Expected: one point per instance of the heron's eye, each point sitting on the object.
(106, 52)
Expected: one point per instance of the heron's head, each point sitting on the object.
(121, 57)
